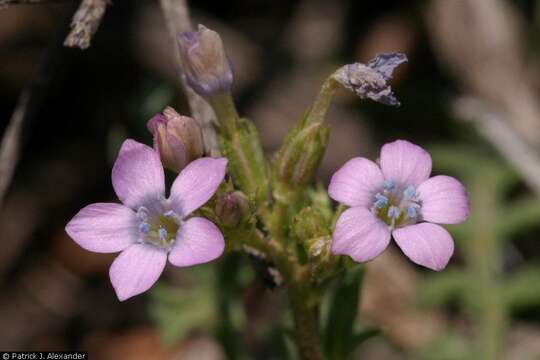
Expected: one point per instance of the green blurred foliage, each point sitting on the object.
(178, 310)
(484, 290)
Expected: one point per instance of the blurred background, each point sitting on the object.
(469, 93)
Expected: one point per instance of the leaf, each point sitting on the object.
(521, 214)
(364, 335)
(178, 311)
(522, 289)
(442, 288)
(228, 288)
(451, 346)
(339, 339)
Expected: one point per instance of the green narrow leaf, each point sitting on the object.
(442, 288)
(521, 214)
(522, 289)
(339, 325)
(362, 336)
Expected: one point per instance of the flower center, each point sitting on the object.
(159, 230)
(397, 206)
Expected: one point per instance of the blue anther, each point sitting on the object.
(409, 192)
(162, 234)
(389, 184)
(169, 214)
(412, 211)
(144, 228)
(381, 201)
(394, 212)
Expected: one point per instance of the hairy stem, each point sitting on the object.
(323, 101)
(306, 323)
(226, 113)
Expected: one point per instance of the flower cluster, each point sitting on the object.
(394, 198)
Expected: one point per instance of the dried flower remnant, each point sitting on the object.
(371, 80)
(205, 63)
(177, 139)
(149, 228)
(397, 198)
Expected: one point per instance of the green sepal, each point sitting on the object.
(247, 163)
(300, 155)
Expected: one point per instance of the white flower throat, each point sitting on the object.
(397, 205)
(160, 229)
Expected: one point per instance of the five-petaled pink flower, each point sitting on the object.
(148, 227)
(397, 198)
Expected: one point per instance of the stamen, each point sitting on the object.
(389, 184)
(394, 212)
(409, 193)
(381, 201)
(144, 228)
(412, 211)
(162, 234)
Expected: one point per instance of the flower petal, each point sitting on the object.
(137, 175)
(426, 244)
(405, 163)
(198, 241)
(136, 269)
(104, 227)
(356, 182)
(444, 200)
(196, 184)
(360, 234)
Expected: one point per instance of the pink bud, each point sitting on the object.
(177, 138)
(232, 208)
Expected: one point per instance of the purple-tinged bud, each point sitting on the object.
(232, 208)
(205, 63)
(371, 80)
(177, 138)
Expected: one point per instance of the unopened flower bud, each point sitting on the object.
(301, 154)
(232, 208)
(177, 138)
(371, 80)
(205, 63)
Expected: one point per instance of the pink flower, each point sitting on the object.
(397, 198)
(148, 227)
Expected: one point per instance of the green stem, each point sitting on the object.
(223, 105)
(484, 259)
(323, 101)
(306, 323)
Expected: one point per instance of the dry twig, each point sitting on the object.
(5, 3)
(481, 43)
(495, 128)
(9, 150)
(85, 23)
(29, 100)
